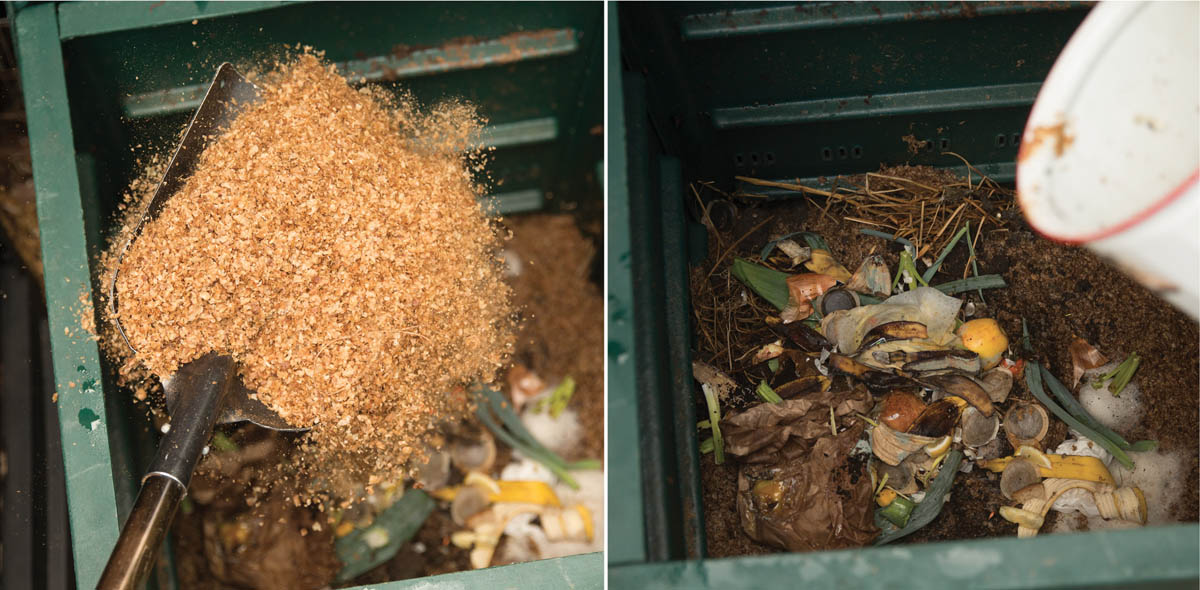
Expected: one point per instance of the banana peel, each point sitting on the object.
(589, 522)
(822, 262)
(1063, 467)
(522, 492)
(1055, 487)
(1127, 503)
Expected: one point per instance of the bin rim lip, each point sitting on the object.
(1158, 205)
(1100, 25)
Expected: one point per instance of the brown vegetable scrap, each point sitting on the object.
(798, 486)
(1084, 357)
(331, 241)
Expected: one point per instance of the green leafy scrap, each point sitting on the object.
(1033, 380)
(767, 394)
(767, 283)
(496, 413)
(929, 508)
(360, 551)
(558, 398)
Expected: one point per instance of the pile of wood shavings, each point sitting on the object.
(331, 241)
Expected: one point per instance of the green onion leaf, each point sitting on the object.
(931, 506)
(1124, 373)
(971, 284)
(585, 464)
(929, 272)
(906, 264)
(887, 236)
(714, 418)
(1074, 408)
(399, 522)
(512, 432)
(1033, 380)
(767, 394)
(561, 396)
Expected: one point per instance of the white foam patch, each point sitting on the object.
(1096, 523)
(524, 469)
(1120, 413)
(1162, 479)
(561, 434)
(1083, 446)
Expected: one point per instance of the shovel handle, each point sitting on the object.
(143, 533)
(203, 384)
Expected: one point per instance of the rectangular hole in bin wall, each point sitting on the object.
(827, 154)
(944, 144)
(1001, 140)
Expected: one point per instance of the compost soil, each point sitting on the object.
(1061, 292)
(561, 332)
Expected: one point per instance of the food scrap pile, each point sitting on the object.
(332, 242)
(850, 401)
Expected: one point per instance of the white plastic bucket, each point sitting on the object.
(1111, 153)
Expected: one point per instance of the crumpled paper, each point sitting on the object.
(826, 500)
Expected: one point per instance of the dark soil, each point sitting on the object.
(1068, 292)
(1060, 291)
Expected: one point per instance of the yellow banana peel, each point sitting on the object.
(958, 401)
(589, 525)
(822, 262)
(529, 492)
(1063, 467)
(1022, 517)
(940, 447)
(525, 492)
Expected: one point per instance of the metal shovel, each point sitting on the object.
(204, 392)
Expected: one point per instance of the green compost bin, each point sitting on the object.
(711, 91)
(101, 79)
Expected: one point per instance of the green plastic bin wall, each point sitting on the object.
(784, 91)
(102, 78)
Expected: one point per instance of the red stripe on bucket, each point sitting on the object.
(1128, 223)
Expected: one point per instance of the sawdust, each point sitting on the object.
(332, 242)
